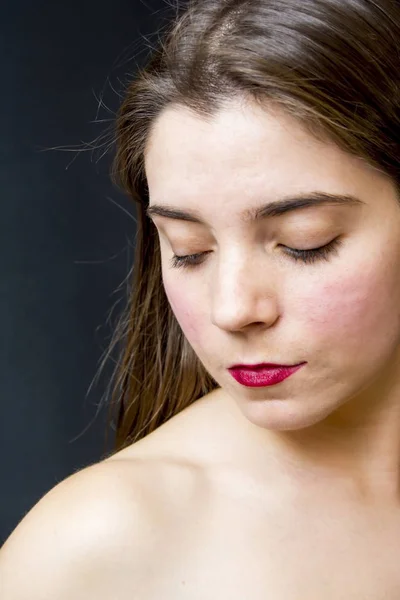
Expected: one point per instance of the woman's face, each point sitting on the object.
(247, 298)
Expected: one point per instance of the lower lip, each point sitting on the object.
(264, 376)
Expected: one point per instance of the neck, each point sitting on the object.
(355, 450)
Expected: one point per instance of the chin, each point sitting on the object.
(281, 415)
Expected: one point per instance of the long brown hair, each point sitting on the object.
(332, 64)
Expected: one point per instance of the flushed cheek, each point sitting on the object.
(357, 312)
(188, 313)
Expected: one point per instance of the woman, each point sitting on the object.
(258, 437)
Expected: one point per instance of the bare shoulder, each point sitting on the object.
(83, 533)
(98, 533)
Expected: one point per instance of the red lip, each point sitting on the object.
(262, 375)
(262, 366)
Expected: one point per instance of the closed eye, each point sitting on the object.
(305, 256)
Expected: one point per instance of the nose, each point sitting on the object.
(244, 294)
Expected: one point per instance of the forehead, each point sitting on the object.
(243, 154)
(239, 136)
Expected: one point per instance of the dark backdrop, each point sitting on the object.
(67, 234)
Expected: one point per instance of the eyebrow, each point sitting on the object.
(272, 209)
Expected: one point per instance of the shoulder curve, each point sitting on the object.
(100, 489)
(73, 529)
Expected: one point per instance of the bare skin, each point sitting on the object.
(182, 515)
(232, 534)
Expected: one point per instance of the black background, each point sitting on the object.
(67, 233)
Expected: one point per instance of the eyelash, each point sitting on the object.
(306, 256)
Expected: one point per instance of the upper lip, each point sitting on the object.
(260, 365)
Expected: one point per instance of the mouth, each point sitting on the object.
(258, 366)
(263, 374)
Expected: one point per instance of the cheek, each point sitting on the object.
(187, 313)
(354, 308)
